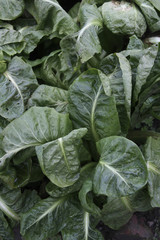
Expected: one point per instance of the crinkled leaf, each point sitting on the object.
(53, 18)
(73, 12)
(16, 85)
(81, 227)
(117, 211)
(47, 96)
(11, 41)
(118, 71)
(6, 232)
(11, 9)
(90, 107)
(35, 127)
(121, 169)
(31, 37)
(151, 16)
(123, 18)
(86, 198)
(52, 73)
(59, 159)
(46, 218)
(8, 200)
(155, 3)
(56, 192)
(144, 69)
(152, 153)
(87, 41)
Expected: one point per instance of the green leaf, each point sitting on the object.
(11, 9)
(144, 69)
(155, 3)
(73, 12)
(35, 127)
(16, 85)
(11, 42)
(31, 37)
(135, 43)
(152, 153)
(86, 198)
(121, 169)
(87, 41)
(57, 192)
(6, 232)
(90, 107)
(46, 218)
(118, 71)
(151, 16)
(3, 123)
(8, 200)
(123, 18)
(81, 227)
(47, 96)
(117, 211)
(59, 160)
(53, 18)
(51, 72)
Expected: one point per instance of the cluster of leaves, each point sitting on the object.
(75, 90)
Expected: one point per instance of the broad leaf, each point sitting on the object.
(155, 3)
(11, 9)
(90, 107)
(123, 18)
(47, 96)
(46, 218)
(57, 192)
(59, 159)
(35, 127)
(118, 78)
(53, 18)
(31, 37)
(86, 198)
(121, 169)
(16, 85)
(152, 153)
(81, 227)
(6, 232)
(144, 69)
(87, 41)
(11, 42)
(117, 211)
(8, 200)
(151, 16)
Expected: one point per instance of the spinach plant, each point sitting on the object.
(79, 116)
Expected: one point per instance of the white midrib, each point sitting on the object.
(126, 203)
(8, 76)
(95, 135)
(90, 23)
(49, 210)
(8, 211)
(53, 3)
(114, 171)
(63, 152)
(152, 168)
(146, 6)
(3, 158)
(86, 225)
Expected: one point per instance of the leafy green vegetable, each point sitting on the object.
(121, 169)
(79, 116)
(90, 107)
(11, 9)
(123, 18)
